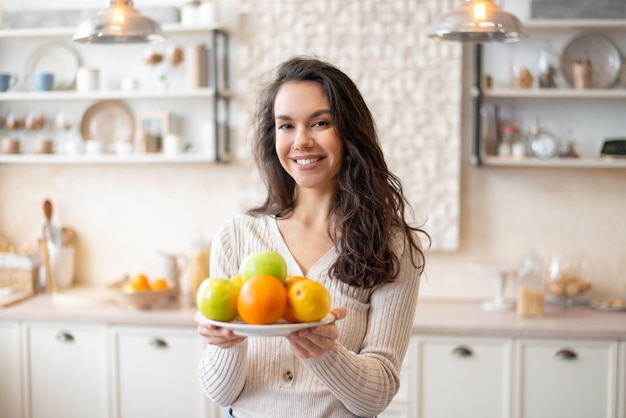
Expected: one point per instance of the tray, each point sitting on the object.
(605, 57)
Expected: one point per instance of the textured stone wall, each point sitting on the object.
(411, 83)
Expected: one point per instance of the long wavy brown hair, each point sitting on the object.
(369, 207)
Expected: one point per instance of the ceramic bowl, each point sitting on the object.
(145, 299)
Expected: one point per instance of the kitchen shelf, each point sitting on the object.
(59, 32)
(555, 93)
(580, 115)
(554, 163)
(104, 159)
(560, 24)
(202, 93)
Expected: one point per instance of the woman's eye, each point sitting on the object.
(321, 123)
(284, 126)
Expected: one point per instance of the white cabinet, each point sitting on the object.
(463, 377)
(66, 370)
(154, 373)
(10, 370)
(583, 116)
(566, 378)
(621, 380)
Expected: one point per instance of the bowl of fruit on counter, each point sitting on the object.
(141, 292)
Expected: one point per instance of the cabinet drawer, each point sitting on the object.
(566, 378)
(10, 367)
(155, 372)
(464, 377)
(66, 370)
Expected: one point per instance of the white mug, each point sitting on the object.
(94, 147)
(87, 79)
(130, 84)
(172, 144)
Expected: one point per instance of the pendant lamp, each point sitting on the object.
(119, 23)
(478, 21)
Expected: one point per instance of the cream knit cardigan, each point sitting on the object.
(359, 377)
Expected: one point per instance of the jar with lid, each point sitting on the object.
(189, 13)
(530, 294)
(547, 68)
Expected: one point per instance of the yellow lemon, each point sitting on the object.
(308, 300)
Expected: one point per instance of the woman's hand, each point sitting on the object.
(314, 342)
(221, 337)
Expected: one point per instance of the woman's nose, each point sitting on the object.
(302, 140)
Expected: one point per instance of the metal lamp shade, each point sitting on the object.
(478, 21)
(119, 23)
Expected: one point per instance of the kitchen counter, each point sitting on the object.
(431, 318)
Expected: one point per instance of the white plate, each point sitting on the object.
(58, 58)
(108, 121)
(606, 59)
(279, 329)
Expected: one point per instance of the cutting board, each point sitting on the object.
(14, 297)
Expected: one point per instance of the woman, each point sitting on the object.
(337, 215)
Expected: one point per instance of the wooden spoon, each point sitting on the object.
(49, 231)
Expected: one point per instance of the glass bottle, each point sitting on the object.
(199, 268)
(530, 293)
(510, 134)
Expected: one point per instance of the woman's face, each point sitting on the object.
(307, 144)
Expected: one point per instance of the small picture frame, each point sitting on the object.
(152, 127)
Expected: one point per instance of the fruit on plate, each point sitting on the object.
(263, 263)
(262, 300)
(217, 299)
(289, 282)
(308, 300)
(236, 280)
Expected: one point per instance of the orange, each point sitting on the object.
(140, 283)
(288, 315)
(262, 300)
(159, 284)
(308, 300)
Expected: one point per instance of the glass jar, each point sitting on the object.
(567, 279)
(547, 68)
(510, 135)
(530, 293)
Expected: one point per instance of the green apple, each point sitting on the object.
(217, 299)
(266, 263)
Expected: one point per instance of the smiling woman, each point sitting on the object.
(336, 214)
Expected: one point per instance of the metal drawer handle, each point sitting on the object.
(65, 337)
(462, 351)
(158, 343)
(566, 354)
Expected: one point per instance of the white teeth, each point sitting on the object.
(308, 161)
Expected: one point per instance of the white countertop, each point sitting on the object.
(432, 317)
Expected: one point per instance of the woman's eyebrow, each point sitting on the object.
(315, 114)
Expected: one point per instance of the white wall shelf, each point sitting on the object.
(69, 31)
(560, 24)
(584, 117)
(202, 93)
(555, 162)
(555, 93)
(155, 158)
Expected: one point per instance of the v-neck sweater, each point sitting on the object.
(260, 377)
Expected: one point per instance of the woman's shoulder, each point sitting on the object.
(243, 222)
